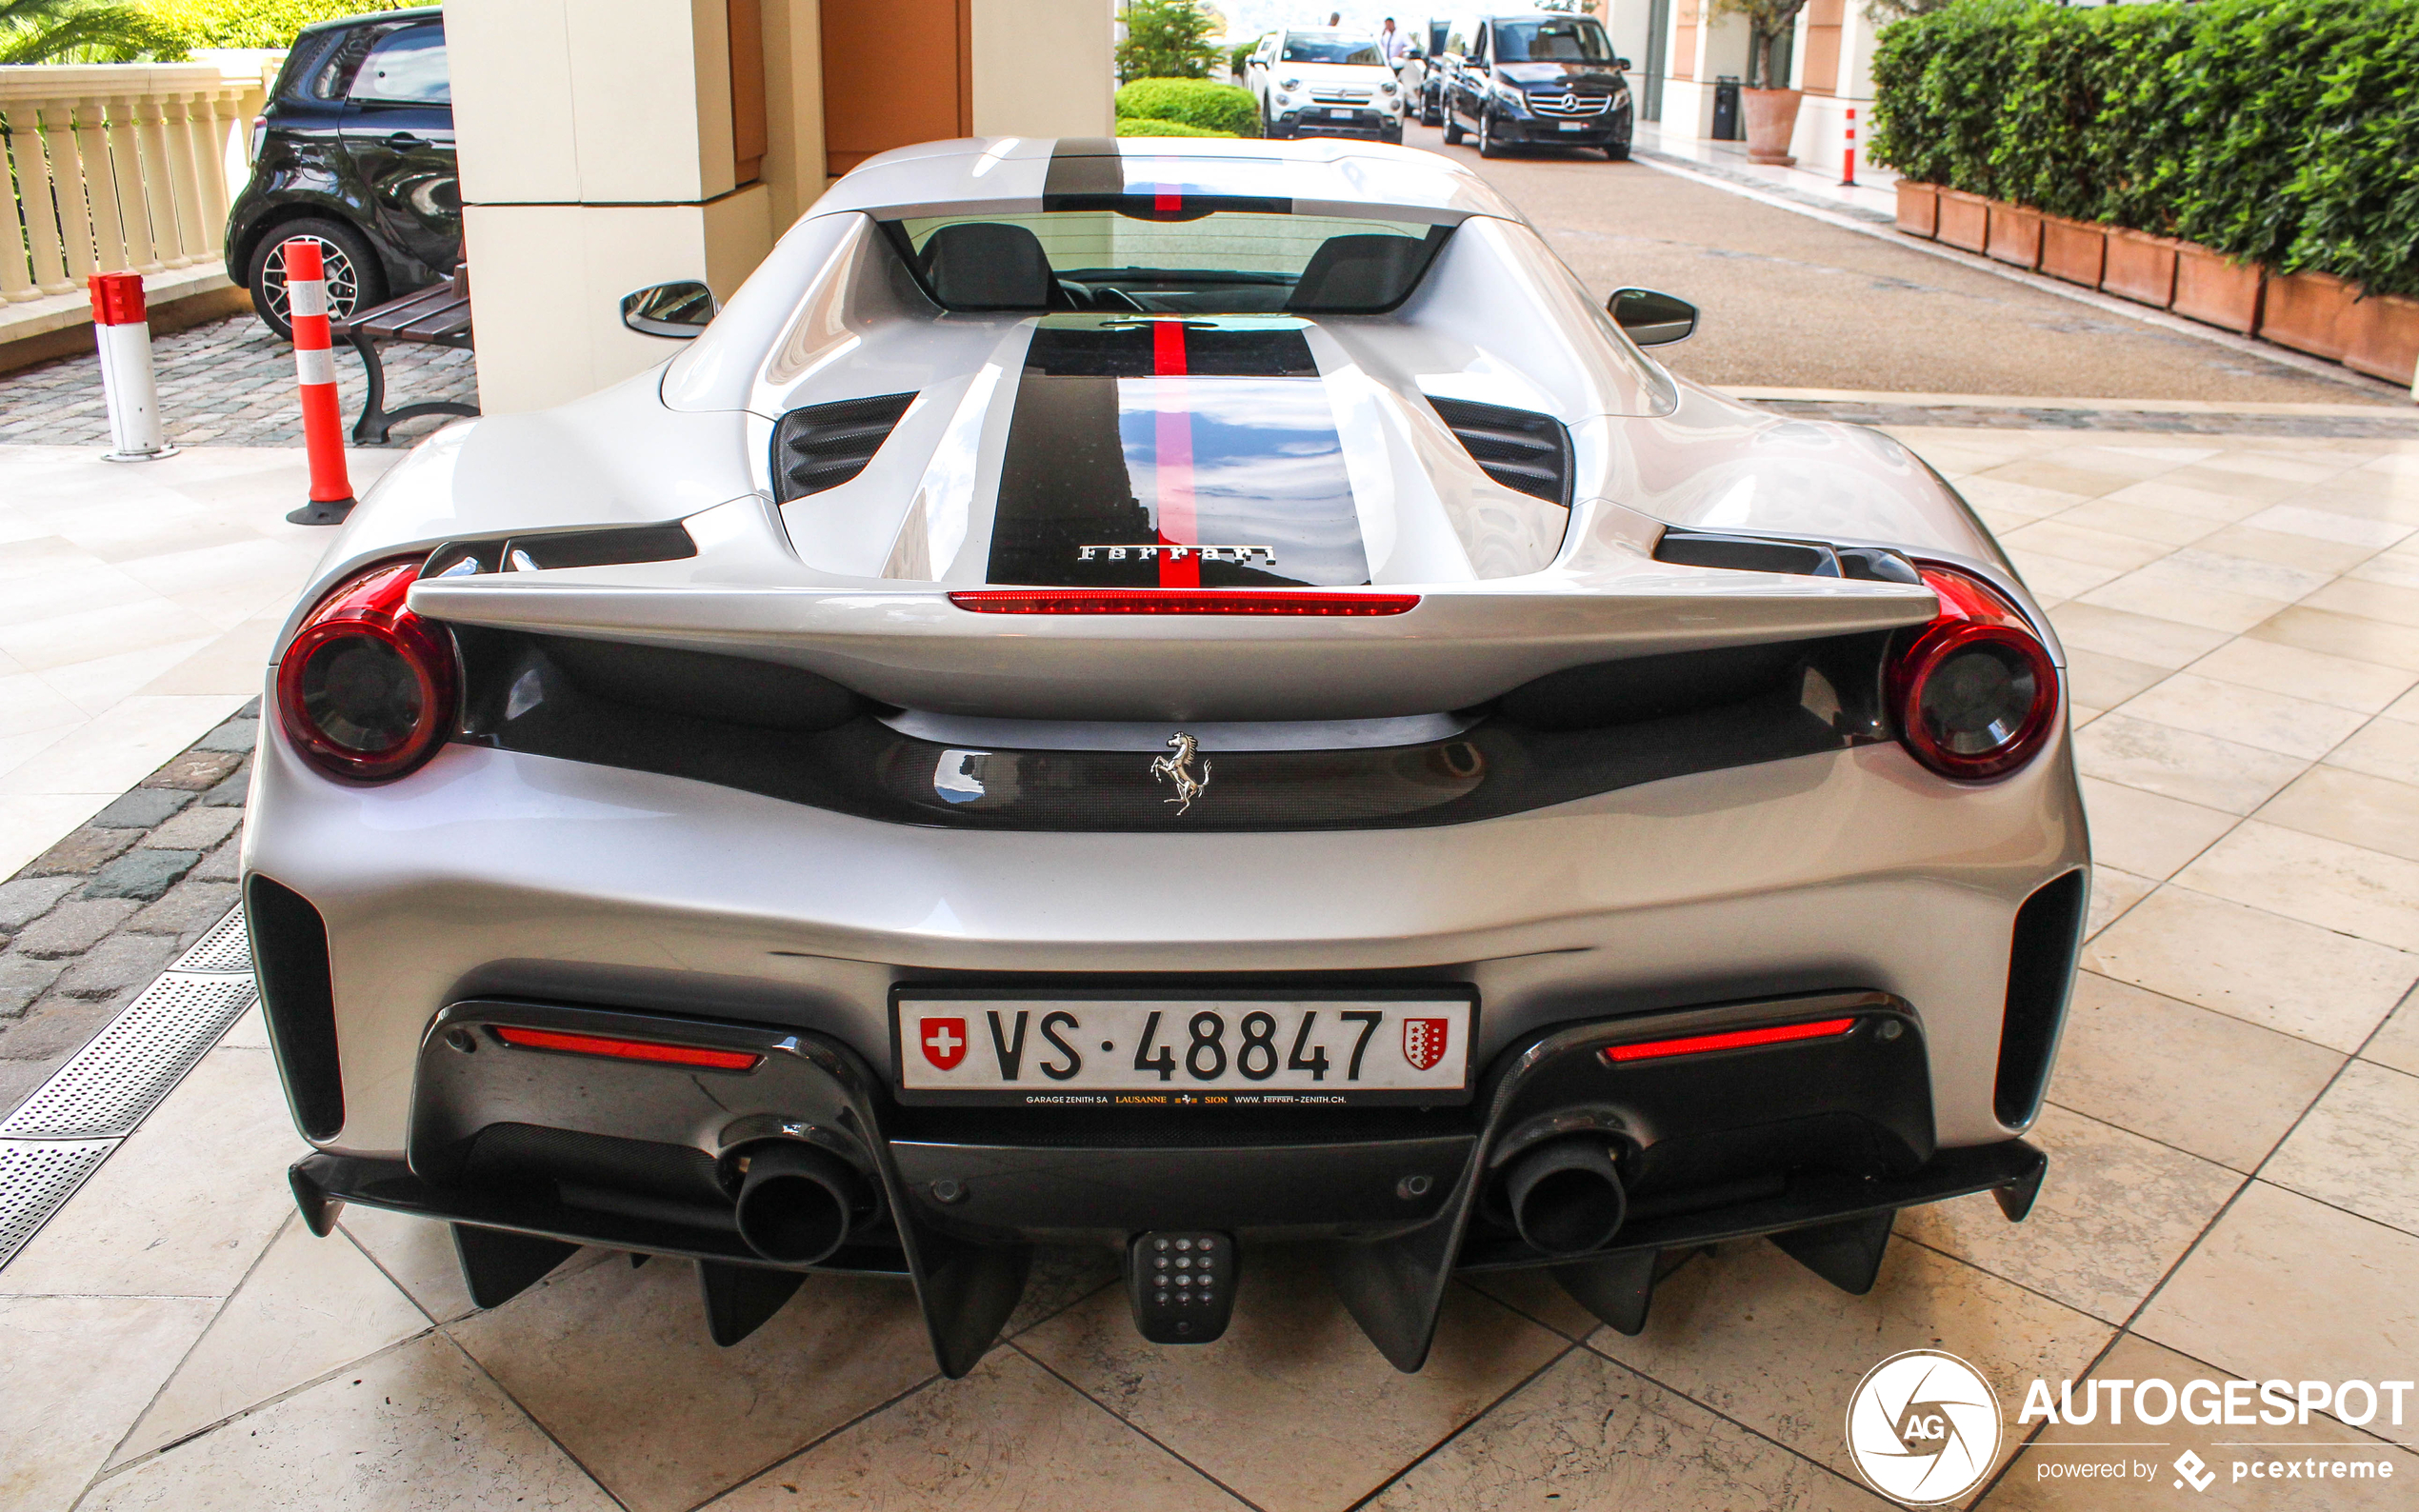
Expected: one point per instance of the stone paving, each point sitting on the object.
(90, 922)
(2234, 1191)
(230, 383)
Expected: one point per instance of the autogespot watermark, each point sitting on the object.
(1924, 1428)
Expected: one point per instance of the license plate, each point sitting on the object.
(1575, 126)
(1340, 115)
(1238, 1050)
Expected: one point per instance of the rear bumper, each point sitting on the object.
(635, 1157)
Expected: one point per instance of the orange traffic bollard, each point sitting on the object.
(1848, 173)
(122, 332)
(315, 366)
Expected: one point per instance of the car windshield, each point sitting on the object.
(1331, 50)
(1574, 41)
(1222, 262)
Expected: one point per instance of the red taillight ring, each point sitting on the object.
(1971, 615)
(369, 608)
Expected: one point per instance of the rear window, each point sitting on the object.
(1331, 50)
(407, 67)
(1221, 262)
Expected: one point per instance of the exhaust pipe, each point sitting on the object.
(798, 1202)
(1566, 1197)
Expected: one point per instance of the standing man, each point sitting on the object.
(1392, 43)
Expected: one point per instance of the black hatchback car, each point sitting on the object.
(355, 150)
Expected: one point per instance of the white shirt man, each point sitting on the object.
(1392, 43)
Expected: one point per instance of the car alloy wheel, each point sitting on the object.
(1488, 145)
(343, 279)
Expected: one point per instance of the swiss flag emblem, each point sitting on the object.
(1424, 1041)
(944, 1041)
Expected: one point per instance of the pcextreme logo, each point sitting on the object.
(1923, 1428)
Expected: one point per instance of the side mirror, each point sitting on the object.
(1623, 64)
(1652, 319)
(678, 309)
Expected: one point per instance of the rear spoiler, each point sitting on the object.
(744, 593)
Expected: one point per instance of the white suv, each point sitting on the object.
(1324, 84)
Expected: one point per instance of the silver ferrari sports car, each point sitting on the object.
(1167, 694)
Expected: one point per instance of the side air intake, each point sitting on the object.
(824, 446)
(1518, 449)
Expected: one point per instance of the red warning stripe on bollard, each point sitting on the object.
(315, 368)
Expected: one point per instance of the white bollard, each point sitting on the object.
(122, 329)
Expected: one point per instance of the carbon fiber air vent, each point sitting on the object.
(1518, 449)
(824, 446)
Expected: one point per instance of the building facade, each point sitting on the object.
(608, 144)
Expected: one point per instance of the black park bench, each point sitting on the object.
(438, 315)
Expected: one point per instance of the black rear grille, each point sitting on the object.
(1518, 449)
(824, 446)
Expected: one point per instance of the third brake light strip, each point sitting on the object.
(1173, 470)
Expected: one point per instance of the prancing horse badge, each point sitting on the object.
(1177, 767)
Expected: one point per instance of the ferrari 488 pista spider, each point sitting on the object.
(1169, 694)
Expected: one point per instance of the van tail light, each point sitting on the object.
(1973, 694)
(366, 690)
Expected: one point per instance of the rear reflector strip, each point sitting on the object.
(1730, 1039)
(631, 1049)
(1178, 601)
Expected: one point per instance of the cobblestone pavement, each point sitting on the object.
(90, 922)
(2231, 1193)
(228, 382)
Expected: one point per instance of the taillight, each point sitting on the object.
(367, 689)
(1179, 601)
(1727, 1040)
(618, 1049)
(260, 135)
(1974, 694)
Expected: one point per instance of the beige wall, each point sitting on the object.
(1044, 68)
(596, 149)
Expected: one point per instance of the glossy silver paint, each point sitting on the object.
(497, 873)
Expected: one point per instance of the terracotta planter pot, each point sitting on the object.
(1771, 120)
(2073, 250)
(2140, 267)
(1918, 209)
(2308, 312)
(1964, 220)
(2383, 338)
(2015, 234)
(2214, 290)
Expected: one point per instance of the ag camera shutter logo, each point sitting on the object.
(1924, 1428)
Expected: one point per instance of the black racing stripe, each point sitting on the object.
(1082, 166)
(1210, 351)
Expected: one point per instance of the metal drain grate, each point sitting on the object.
(35, 1179)
(112, 1081)
(224, 949)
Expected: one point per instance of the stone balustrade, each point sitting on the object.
(120, 167)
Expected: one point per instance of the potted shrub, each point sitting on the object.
(2014, 233)
(2076, 252)
(2384, 338)
(2308, 312)
(1770, 107)
(1918, 207)
(2213, 287)
(2140, 267)
(1964, 220)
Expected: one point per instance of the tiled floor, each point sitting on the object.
(2235, 1188)
(128, 630)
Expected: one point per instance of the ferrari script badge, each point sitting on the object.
(1178, 768)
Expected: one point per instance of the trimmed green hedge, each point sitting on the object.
(1216, 107)
(2281, 130)
(1152, 125)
